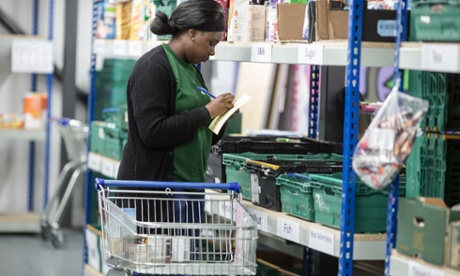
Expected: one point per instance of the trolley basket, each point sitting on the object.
(175, 228)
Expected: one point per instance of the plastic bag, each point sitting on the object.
(388, 141)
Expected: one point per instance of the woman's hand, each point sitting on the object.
(220, 105)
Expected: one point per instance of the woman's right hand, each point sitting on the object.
(220, 105)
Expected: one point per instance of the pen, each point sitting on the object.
(204, 91)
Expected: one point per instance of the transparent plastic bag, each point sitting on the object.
(388, 141)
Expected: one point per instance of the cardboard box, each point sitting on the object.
(328, 21)
(290, 21)
(453, 259)
(238, 21)
(35, 110)
(423, 228)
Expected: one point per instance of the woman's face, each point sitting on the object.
(202, 46)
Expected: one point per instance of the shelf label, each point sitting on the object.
(32, 56)
(310, 54)
(288, 229)
(94, 162)
(135, 48)
(416, 269)
(440, 57)
(107, 168)
(99, 46)
(261, 52)
(261, 219)
(321, 241)
(119, 47)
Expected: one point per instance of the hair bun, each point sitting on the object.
(162, 25)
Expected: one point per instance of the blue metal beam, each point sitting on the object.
(33, 88)
(314, 97)
(48, 110)
(350, 137)
(392, 222)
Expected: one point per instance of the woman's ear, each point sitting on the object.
(192, 33)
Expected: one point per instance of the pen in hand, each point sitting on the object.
(204, 91)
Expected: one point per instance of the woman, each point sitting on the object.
(168, 116)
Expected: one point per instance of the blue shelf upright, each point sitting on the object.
(314, 98)
(33, 87)
(350, 136)
(89, 187)
(48, 110)
(392, 222)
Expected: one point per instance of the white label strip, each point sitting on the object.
(416, 269)
(440, 57)
(261, 52)
(135, 48)
(94, 162)
(261, 219)
(99, 46)
(107, 168)
(31, 56)
(288, 229)
(119, 47)
(310, 54)
(321, 241)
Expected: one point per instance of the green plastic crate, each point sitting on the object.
(426, 167)
(436, 20)
(167, 7)
(434, 90)
(235, 166)
(371, 205)
(296, 195)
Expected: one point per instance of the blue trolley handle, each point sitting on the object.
(100, 182)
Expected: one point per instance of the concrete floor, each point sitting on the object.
(29, 255)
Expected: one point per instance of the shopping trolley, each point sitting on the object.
(74, 134)
(175, 228)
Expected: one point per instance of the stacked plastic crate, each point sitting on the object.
(109, 130)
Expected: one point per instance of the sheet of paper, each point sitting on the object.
(219, 121)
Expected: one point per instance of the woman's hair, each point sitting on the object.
(202, 15)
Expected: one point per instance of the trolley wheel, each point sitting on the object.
(118, 272)
(45, 232)
(57, 238)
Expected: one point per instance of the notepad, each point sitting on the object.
(218, 122)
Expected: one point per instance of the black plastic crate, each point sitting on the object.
(263, 144)
(267, 194)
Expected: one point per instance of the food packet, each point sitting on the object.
(388, 141)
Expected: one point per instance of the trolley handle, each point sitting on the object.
(100, 182)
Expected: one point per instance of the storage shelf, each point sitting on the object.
(333, 53)
(22, 134)
(19, 223)
(411, 56)
(404, 265)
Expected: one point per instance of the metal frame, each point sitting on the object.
(314, 98)
(89, 188)
(33, 87)
(392, 212)
(350, 136)
(48, 110)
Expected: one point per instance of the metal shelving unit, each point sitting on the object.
(29, 222)
(352, 54)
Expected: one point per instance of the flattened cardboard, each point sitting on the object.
(290, 21)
